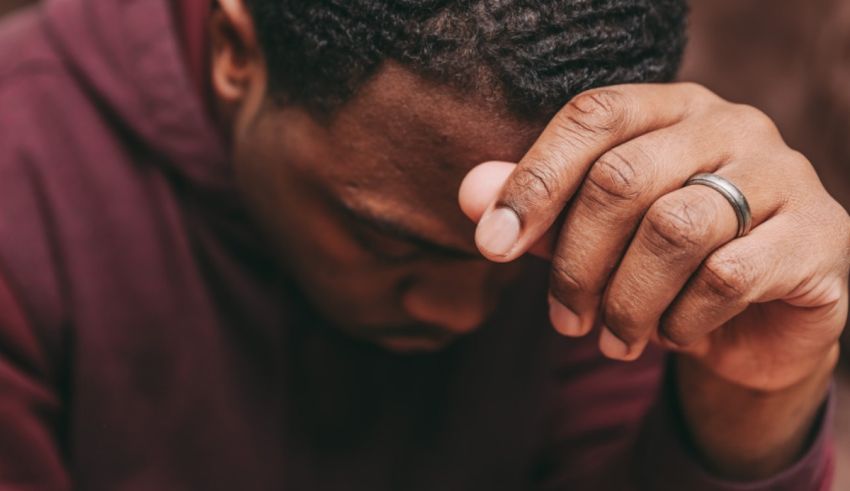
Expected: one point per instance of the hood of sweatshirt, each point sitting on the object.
(127, 54)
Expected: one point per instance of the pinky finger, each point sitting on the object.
(773, 262)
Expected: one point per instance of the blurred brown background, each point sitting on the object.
(790, 58)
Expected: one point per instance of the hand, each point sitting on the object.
(643, 258)
(755, 319)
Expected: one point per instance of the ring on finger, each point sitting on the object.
(732, 194)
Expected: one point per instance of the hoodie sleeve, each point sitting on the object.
(616, 428)
(665, 461)
(30, 456)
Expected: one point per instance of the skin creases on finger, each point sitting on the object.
(608, 207)
(677, 234)
(776, 263)
(552, 170)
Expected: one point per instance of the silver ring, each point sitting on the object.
(732, 194)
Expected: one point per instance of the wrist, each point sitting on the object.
(778, 379)
(747, 433)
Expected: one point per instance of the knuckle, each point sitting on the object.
(533, 184)
(677, 332)
(676, 225)
(615, 177)
(797, 161)
(699, 91)
(699, 97)
(564, 280)
(595, 112)
(727, 277)
(619, 315)
(755, 120)
(825, 291)
(793, 164)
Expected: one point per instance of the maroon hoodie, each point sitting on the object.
(147, 341)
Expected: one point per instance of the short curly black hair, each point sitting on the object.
(534, 54)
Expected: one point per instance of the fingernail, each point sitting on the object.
(498, 231)
(612, 346)
(564, 320)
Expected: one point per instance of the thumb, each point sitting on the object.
(481, 187)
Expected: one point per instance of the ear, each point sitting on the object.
(237, 61)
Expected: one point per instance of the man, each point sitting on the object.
(291, 298)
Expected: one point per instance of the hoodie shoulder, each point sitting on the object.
(89, 196)
(40, 103)
(24, 48)
(27, 69)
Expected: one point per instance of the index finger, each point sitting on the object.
(550, 173)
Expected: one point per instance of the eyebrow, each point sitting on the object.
(400, 231)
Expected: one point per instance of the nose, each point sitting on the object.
(452, 296)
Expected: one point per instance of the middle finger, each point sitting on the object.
(678, 232)
(616, 193)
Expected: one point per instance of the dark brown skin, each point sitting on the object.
(637, 259)
(319, 188)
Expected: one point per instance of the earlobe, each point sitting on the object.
(235, 53)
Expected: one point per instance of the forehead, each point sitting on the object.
(403, 144)
(408, 109)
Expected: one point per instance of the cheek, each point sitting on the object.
(341, 278)
(355, 297)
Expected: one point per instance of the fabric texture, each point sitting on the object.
(191, 17)
(148, 342)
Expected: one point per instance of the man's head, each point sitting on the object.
(354, 121)
(533, 54)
